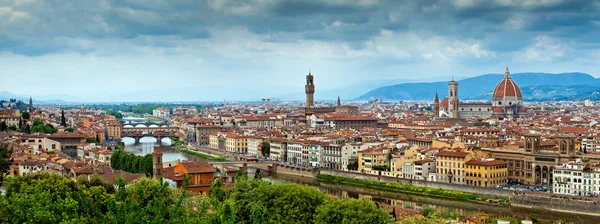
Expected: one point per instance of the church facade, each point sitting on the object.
(507, 102)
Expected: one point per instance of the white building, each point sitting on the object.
(314, 155)
(294, 152)
(254, 145)
(423, 169)
(278, 150)
(577, 178)
(408, 171)
(162, 112)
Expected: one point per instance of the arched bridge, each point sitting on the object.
(140, 132)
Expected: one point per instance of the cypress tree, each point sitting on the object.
(63, 121)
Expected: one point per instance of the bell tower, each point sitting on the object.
(310, 91)
(532, 142)
(436, 106)
(453, 98)
(157, 164)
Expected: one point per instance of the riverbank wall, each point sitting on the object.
(550, 202)
(557, 202)
(488, 192)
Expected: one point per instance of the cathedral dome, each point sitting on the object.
(444, 103)
(507, 88)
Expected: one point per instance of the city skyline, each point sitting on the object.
(214, 50)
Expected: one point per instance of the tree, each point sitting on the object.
(5, 160)
(350, 211)
(352, 166)
(265, 149)
(3, 126)
(27, 129)
(382, 168)
(90, 140)
(69, 130)
(115, 113)
(257, 175)
(25, 115)
(63, 121)
(12, 128)
(216, 190)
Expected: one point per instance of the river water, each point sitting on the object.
(147, 145)
(419, 202)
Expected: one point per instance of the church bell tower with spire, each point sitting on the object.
(30, 104)
(436, 106)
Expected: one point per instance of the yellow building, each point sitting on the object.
(232, 142)
(453, 145)
(408, 156)
(236, 143)
(113, 128)
(371, 157)
(450, 166)
(486, 172)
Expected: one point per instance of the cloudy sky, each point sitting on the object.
(113, 50)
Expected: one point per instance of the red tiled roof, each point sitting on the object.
(484, 162)
(452, 154)
(507, 88)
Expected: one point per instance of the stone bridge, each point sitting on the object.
(140, 132)
(271, 167)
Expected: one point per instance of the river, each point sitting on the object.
(147, 145)
(419, 202)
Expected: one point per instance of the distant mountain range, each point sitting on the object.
(49, 99)
(534, 86)
(351, 92)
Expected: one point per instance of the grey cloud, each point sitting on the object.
(294, 20)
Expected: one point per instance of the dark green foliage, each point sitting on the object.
(286, 203)
(39, 127)
(403, 187)
(45, 198)
(257, 175)
(265, 149)
(116, 114)
(69, 130)
(382, 168)
(350, 211)
(12, 128)
(5, 160)
(3, 126)
(131, 163)
(216, 190)
(91, 140)
(63, 121)
(25, 115)
(352, 166)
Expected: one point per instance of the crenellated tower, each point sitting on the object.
(157, 165)
(310, 91)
